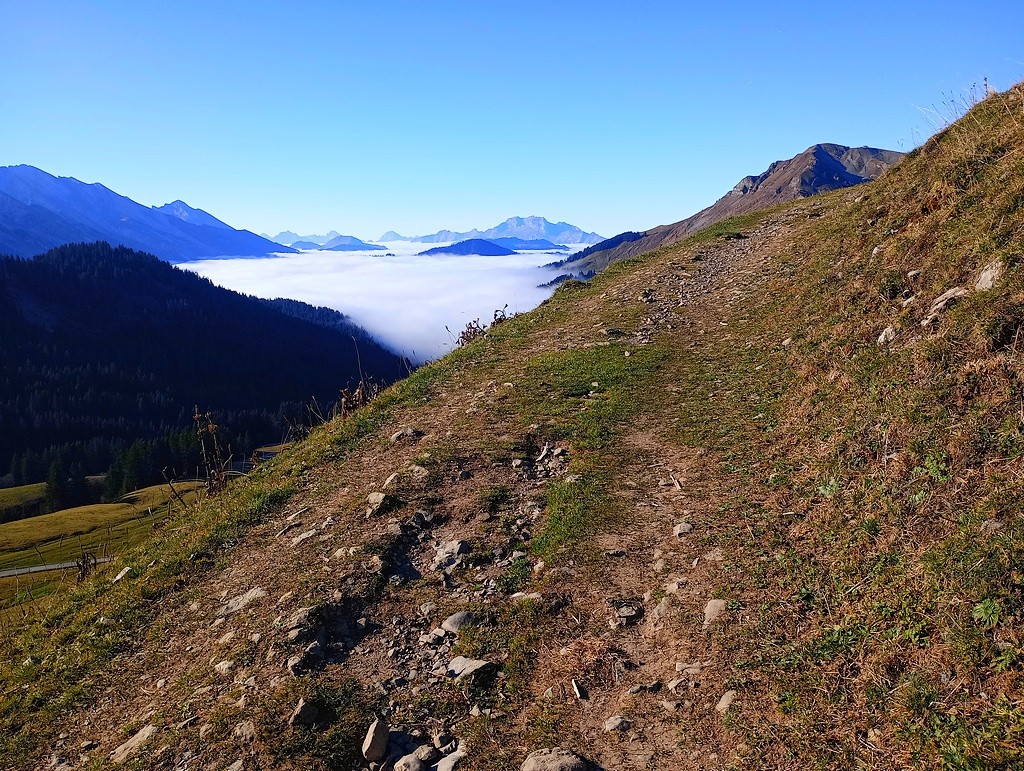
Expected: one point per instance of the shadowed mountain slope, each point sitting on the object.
(42, 211)
(762, 510)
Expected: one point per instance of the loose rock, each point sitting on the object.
(462, 668)
(375, 745)
(410, 763)
(990, 274)
(616, 723)
(555, 759)
(305, 715)
(130, 747)
(725, 702)
(239, 602)
(456, 621)
(942, 302)
(449, 762)
(448, 554)
(682, 529)
(712, 611)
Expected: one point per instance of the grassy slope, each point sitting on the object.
(18, 496)
(868, 496)
(887, 479)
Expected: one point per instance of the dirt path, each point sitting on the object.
(215, 676)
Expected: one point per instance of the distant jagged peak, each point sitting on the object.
(190, 214)
(530, 228)
(818, 169)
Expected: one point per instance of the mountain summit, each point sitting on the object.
(817, 169)
(39, 211)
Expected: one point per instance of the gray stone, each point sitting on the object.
(887, 336)
(410, 763)
(303, 537)
(662, 608)
(448, 553)
(725, 702)
(245, 732)
(555, 759)
(375, 745)
(712, 611)
(305, 715)
(456, 621)
(428, 608)
(375, 502)
(990, 274)
(683, 528)
(462, 668)
(616, 723)
(449, 762)
(130, 747)
(427, 753)
(942, 302)
(239, 602)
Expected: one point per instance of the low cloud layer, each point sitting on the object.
(404, 301)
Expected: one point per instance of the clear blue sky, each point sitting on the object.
(364, 116)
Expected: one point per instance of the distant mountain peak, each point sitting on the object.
(189, 214)
(532, 228)
(818, 169)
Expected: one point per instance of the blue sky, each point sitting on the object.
(425, 115)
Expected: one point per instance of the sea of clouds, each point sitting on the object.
(404, 301)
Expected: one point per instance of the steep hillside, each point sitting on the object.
(41, 211)
(104, 346)
(817, 169)
(751, 501)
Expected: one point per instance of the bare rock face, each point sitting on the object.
(555, 759)
(817, 169)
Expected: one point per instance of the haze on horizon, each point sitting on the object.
(398, 115)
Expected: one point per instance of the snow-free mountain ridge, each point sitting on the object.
(817, 169)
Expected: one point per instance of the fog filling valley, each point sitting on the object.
(405, 301)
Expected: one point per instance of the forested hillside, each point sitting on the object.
(105, 346)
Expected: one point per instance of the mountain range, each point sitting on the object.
(289, 238)
(526, 228)
(351, 244)
(39, 211)
(817, 169)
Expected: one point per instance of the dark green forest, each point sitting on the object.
(105, 353)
